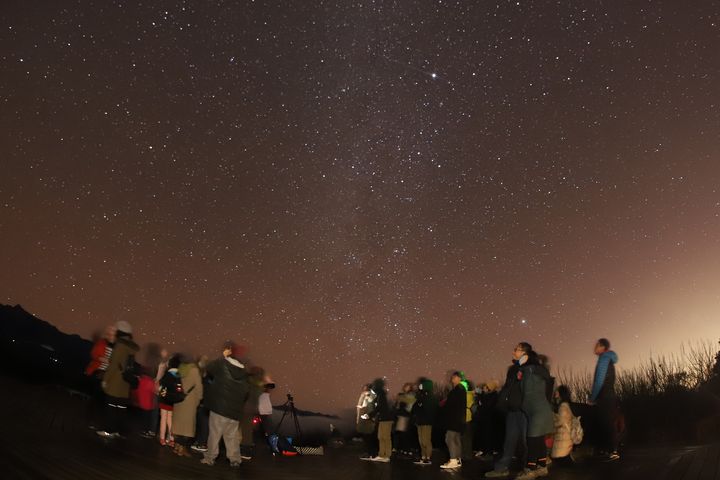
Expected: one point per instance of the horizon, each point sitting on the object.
(556, 369)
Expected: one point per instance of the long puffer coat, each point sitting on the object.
(534, 380)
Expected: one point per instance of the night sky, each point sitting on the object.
(362, 188)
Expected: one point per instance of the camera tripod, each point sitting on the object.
(289, 408)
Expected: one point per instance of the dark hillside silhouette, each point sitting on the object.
(35, 350)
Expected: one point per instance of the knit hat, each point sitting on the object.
(123, 326)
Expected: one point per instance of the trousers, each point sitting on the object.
(228, 430)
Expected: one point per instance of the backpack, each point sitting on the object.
(576, 430)
(469, 400)
(171, 389)
(130, 372)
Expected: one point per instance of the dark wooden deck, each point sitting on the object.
(45, 436)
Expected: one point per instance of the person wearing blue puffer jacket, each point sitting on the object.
(603, 397)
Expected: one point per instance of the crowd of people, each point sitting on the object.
(528, 421)
(192, 404)
(187, 404)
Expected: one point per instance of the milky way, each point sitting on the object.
(357, 189)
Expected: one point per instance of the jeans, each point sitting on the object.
(515, 434)
(454, 444)
(201, 431)
(228, 430)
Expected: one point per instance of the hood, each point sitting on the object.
(378, 386)
(612, 356)
(185, 368)
(236, 369)
(427, 385)
(128, 342)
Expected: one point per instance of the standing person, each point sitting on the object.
(117, 390)
(265, 408)
(487, 428)
(144, 399)
(423, 412)
(562, 440)
(603, 397)
(100, 354)
(366, 425)
(403, 433)
(171, 392)
(468, 437)
(226, 399)
(185, 412)
(534, 381)
(251, 411)
(384, 417)
(162, 368)
(455, 411)
(510, 402)
(203, 415)
(95, 371)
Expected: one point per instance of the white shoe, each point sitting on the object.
(451, 464)
(380, 459)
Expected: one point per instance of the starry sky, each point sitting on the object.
(362, 188)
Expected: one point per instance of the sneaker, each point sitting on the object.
(497, 473)
(246, 458)
(613, 456)
(531, 473)
(147, 434)
(380, 459)
(366, 458)
(105, 434)
(451, 464)
(423, 461)
(479, 454)
(235, 464)
(207, 462)
(199, 448)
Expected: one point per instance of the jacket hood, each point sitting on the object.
(612, 356)
(236, 369)
(127, 341)
(427, 385)
(378, 386)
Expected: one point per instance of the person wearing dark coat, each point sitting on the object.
(455, 410)
(535, 382)
(423, 413)
(225, 398)
(384, 417)
(510, 402)
(487, 419)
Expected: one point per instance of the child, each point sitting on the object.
(170, 392)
